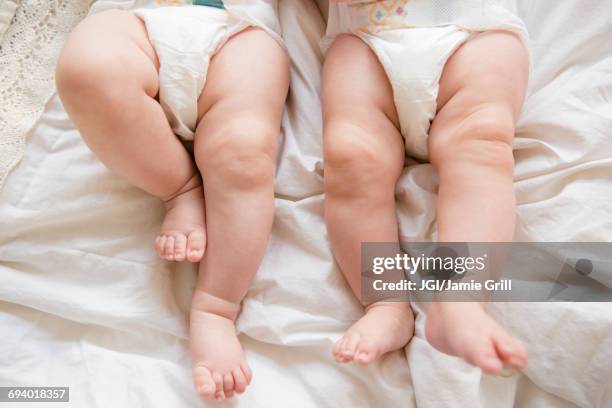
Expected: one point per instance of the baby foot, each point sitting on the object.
(465, 330)
(219, 366)
(182, 235)
(386, 326)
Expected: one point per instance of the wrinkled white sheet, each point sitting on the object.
(85, 302)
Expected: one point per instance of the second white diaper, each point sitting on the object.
(413, 39)
(186, 37)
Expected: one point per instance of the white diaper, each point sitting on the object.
(185, 38)
(413, 39)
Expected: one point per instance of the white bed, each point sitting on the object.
(85, 303)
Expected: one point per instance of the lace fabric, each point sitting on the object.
(7, 11)
(28, 54)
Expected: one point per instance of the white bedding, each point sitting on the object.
(84, 301)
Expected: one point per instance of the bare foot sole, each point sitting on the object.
(219, 366)
(182, 236)
(386, 326)
(465, 330)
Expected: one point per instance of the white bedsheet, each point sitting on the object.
(84, 301)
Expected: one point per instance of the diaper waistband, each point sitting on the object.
(380, 15)
(209, 3)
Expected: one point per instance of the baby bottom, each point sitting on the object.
(109, 82)
(481, 91)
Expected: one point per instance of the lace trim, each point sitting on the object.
(28, 54)
(7, 11)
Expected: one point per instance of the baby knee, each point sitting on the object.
(355, 160)
(242, 158)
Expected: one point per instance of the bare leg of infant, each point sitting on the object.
(481, 93)
(235, 148)
(107, 77)
(108, 81)
(364, 156)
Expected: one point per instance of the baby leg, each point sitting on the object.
(481, 94)
(107, 78)
(364, 156)
(242, 105)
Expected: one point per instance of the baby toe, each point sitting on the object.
(488, 364)
(511, 352)
(338, 350)
(246, 370)
(485, 357)
(204, 382)
(169, 248)
(338, 346)
(218, 379)
(228, 385)
(366, 353)
(161, 246)
(180, 244)
(196, 242)
(240, 382)
(350, 346)
(340, 358)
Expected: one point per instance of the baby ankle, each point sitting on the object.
(389, 303)
(194, 182)
(205, 302)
